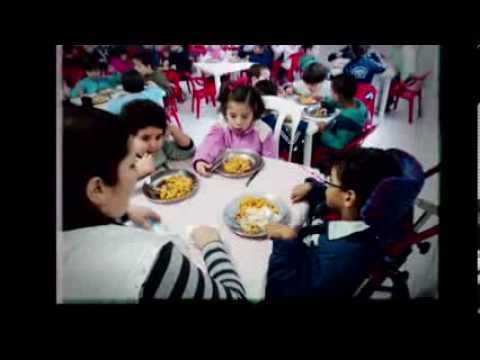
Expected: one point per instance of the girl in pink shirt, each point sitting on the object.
(241, 107)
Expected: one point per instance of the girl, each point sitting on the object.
(104, 261)
(119, 60)
(240, 106)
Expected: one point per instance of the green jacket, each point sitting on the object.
(159, 78)
(94, 85)
(171, 151)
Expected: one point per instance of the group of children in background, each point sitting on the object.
(297, 267)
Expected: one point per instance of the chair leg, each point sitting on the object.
(420, 104)
(214, 102)
(198, 108)
(193, 104)
(395, 103)
(410, 110)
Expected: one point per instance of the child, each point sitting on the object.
(240, 107)
(94, 82)
(258, 72)
(178, 59)
(308, 58)
(214, 52)
(313, 82)
(262, 55)
(363, 67)
(147, 123)
(282, 53)
(144, 64)
(119, 60)
(330, 259)
(351, 120)
(134, 86)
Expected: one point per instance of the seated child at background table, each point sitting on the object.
(347, 125)
(308, 57)
(119, 59)
(313, 82)
(94, 82)
(330, 259)
(262, 54)
(258, 72)
(134, 87)
(144, 63)
(362, 66)
(147, 124)
(282, 53)
(241, 107)
(179, 59)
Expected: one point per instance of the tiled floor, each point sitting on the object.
(420, 139)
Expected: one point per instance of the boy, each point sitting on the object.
(330, 259)
(94, 82)
(134, 87)
(362, 66)
(352, 118)
(258, 72)
(313, 82)
(147, 124)
(144, 64)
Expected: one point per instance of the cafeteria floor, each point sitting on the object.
(421, 139)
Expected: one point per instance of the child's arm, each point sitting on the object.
(77, 90)
(212, 146)
(181, 147)
(181, 139)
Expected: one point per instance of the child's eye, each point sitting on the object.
(158, 137)
(145, 138)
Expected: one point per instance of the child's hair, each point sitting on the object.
(145, 57)
(103, 139)
(118, 50)
(362, 170)
(345, 85)
(307, 47)
(132, 81)
(314, 73)
(140, 114)
(332, 56)
(242, 94)
(91, 63)
(358, 50)
(266, 87)
(256, 69)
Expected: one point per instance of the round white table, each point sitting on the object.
(250, 257)
(217, 69)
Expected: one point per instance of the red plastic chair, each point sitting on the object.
(174, 78)
(197, 50)
(367, 94)
(409, 91)
(295, 66)
(172, 110)
(202, 88)
(276, 65)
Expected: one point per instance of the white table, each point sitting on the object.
(117, 92)
(382, 83)
(250, 257)
(217, 69)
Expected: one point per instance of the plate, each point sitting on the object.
(153, 182)
(232, 208)
(255, 159)
(308, 113)
(303, 100)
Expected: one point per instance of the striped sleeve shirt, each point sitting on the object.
(174, 277)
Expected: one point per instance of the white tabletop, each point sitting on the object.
(250, 257)
(223, 67)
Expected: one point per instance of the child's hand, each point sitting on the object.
(145, 165)
(141, 215)
(289, 91)
(280, 232)
(204, 235)
(203, 168)
(322, 126)
(300, 191)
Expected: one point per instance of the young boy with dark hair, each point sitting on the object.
(147, 124)
(330, 259)
(144, 63)
(313, 83)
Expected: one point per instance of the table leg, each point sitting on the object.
(384, 98)
(217, 83)
(307, 149)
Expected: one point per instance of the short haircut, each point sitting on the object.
(266, 87)
(132, 81)
(315, 73)
(362, 170)
(345, 85)
(242, 94)
(91, 63)
(145, 57)
(140, 114)
(256, 69)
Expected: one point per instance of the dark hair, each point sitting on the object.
(118, 50)
(242, 94)
(91, 63)
(256, 69)
(140, 114)
(362, 169)
(358, 50)
(306, 47)
(145, 57)
(94, 144)
(314, 73)
(332, 56)
(345, 85)
(266, 87)
(132, 81)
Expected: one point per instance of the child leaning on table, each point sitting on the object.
(330, 259)
(241, 107)
(147, 124)
(313, 82)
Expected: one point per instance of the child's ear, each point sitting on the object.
(350, 198)
(96, 191)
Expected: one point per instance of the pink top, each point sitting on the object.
(120, 65)
(258, 138)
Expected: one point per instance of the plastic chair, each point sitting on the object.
(172, 110)
(197, 50)
(174, 78)
(201, 89)
(295, 66)
(409, 91)
(367, 94)
(276, 65)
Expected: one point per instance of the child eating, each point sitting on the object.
(313, 82)
(352, 118)
(241, 107)
(330, 259)
(144, 63)
(147, 124)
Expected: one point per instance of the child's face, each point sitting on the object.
(313, 88)
(239, 116)
(141, 68)
(149, 140)
(93, 73)
(264, 74)
(258, 49)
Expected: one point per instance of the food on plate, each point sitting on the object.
(319, 113)
(175, 187)
(307, 100)
(237, 164)
(255, 213)
(100, 99)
